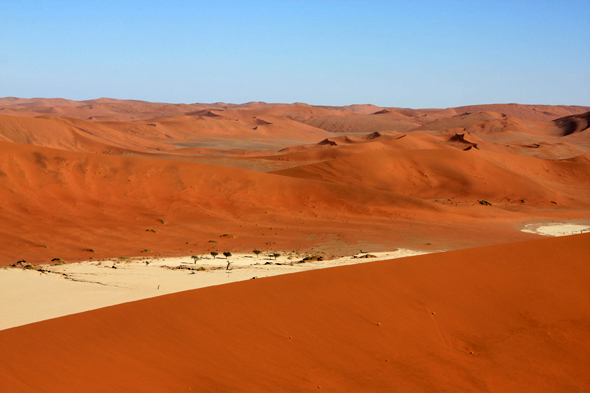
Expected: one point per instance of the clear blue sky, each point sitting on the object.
(390, 53)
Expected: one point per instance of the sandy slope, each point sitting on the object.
(60, 204)
(51, 291)
(504, 318)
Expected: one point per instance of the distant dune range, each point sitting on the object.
(101, 174)
(503, 318)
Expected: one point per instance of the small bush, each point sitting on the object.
(150, 230)
(58, 261)
(214, 254)
(257, 252)
(146, 250)
(162, 221)
(276, 255)
(484, 202)
(227, 254)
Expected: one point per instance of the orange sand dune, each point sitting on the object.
(60, 204)
(72, 134)
(450, 173)
(573, 124)
(361, 123)
(526, 112)
(505, 318)
(489, 122)
(366, 188)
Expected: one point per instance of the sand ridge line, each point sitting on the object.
(29, 295)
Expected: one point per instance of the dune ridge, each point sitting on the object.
(511, 317)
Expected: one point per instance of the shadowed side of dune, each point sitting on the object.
(504, 318)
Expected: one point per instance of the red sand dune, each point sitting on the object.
(505, 318)
(58, 203)
(450, 173)
(377, 190)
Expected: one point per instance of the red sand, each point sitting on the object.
(70, 184)
(119, 177)
(505, 318)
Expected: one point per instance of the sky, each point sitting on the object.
(415, 54)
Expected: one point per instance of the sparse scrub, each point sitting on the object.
(485, 203)
(227, 254)
(214, 254)
(276, 255)
(257, 252)
(58, 261)
(146, 250)
(195, 258)
(162, 221)
(150, 230)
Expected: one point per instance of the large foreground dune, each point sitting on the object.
(504, 318)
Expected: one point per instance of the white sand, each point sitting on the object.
(557, 229)
(28, 296)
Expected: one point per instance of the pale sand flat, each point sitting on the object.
(28, 296)
(556, 229)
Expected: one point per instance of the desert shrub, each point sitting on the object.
(227, 254)
(257, 252)
(484, 202)
(162, 221)
(58, 261)
(276, 255)
(150, 230)
(214, 254)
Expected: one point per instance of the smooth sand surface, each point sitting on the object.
(556, 229)
(504, 318)
(28, 296)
